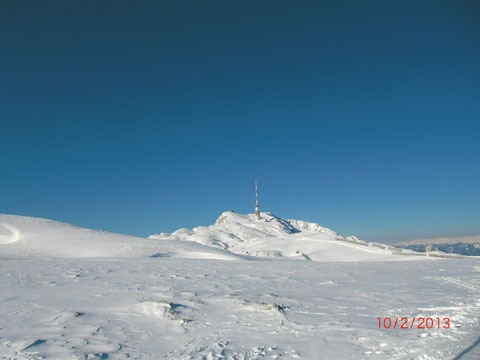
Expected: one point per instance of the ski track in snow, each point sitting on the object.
(164, 308)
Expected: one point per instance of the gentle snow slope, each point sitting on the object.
(26, 236)
(275, 237)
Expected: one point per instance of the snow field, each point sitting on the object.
(163, 308)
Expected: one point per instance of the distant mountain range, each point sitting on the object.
(467, 245)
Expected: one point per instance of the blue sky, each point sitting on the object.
(142, 117)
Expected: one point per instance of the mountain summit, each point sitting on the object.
(274, 237)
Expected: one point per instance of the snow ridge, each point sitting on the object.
(8, 234)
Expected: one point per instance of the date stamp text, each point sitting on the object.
(413, 323)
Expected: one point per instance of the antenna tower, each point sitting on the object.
(257, 211)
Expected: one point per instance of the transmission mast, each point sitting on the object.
(257, 211)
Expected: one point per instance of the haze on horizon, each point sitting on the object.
(143, 118)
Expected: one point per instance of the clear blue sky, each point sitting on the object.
(147, 116)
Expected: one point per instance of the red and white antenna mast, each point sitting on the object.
(257, 211)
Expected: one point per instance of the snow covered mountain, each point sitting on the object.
(232, 237)
(35, 237)
(272, 236)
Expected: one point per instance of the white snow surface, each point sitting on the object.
(73, 293)
(164, 308)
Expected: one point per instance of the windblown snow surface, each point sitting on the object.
(240, 289)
